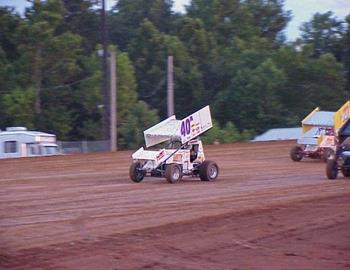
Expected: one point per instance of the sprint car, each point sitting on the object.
(181, 152)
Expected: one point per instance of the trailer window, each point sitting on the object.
(51, 150)
(10, 147)
(34, 149)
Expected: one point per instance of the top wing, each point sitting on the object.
(182, 130)
(195, 124)
(163, 131)
(318, 118)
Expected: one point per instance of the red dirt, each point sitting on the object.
(264, 212)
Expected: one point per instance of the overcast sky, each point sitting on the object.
(302, 10)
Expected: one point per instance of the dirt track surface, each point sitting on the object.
(264, 212)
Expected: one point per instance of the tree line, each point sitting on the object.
(232, 55)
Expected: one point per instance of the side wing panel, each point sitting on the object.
(342, 116)
(195, 124)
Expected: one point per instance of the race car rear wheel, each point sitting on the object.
(332, 169)
(136, 173)
(208, 171)
(296, 153)
(173, 173)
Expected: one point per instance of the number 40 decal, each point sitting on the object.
(186, 126)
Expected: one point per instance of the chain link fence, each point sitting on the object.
(75, 147)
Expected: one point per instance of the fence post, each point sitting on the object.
(84, 146)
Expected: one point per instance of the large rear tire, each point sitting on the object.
(173, 173)
(332, 169)
(136, 173)
(208, 171)
(296, 153)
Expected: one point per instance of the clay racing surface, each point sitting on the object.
(264, 212)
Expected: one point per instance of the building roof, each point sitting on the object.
(27, 132)
(321, 118)
(276, 134)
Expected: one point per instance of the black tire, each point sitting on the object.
(332, 169)
(296, 153)
(136, 173)
(208, 171)
(345, 172)
(173, 173)
(327, 153)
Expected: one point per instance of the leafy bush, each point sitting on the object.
(228, 134)
(139, 118)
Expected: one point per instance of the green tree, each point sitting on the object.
(242, 19)
(127, 16)
(9, 22)
(269, 17)
(87, 108)
(346, 50)
(86, 103)
(251, 100)
(16, 107)
(82, 18)
(228, 134)
(131, 130)
(245, 34)
(51, 60)
(202, 47)
(311, 82)
(48, 62)
(149, 53)
(127, 87)
(5, 70)
(325, 33)
(225, 19)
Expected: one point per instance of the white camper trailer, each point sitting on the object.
(19, 142)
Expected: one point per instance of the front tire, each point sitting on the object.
(208, 171)
(136, 173)
(173, 173)
(296, 153)
(332, 169)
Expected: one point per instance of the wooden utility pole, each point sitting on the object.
(170, 86)
(113, 100)
(105, 91)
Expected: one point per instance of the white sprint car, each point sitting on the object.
(181, 155)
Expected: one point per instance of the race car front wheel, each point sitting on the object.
(136, 173)
(332, 169)
(296, 153)
(208, 171)
(173, 173)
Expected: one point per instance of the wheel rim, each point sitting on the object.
(138, 173)
(176, 173)
(299, 154)
(330, 155)
(213, 172)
